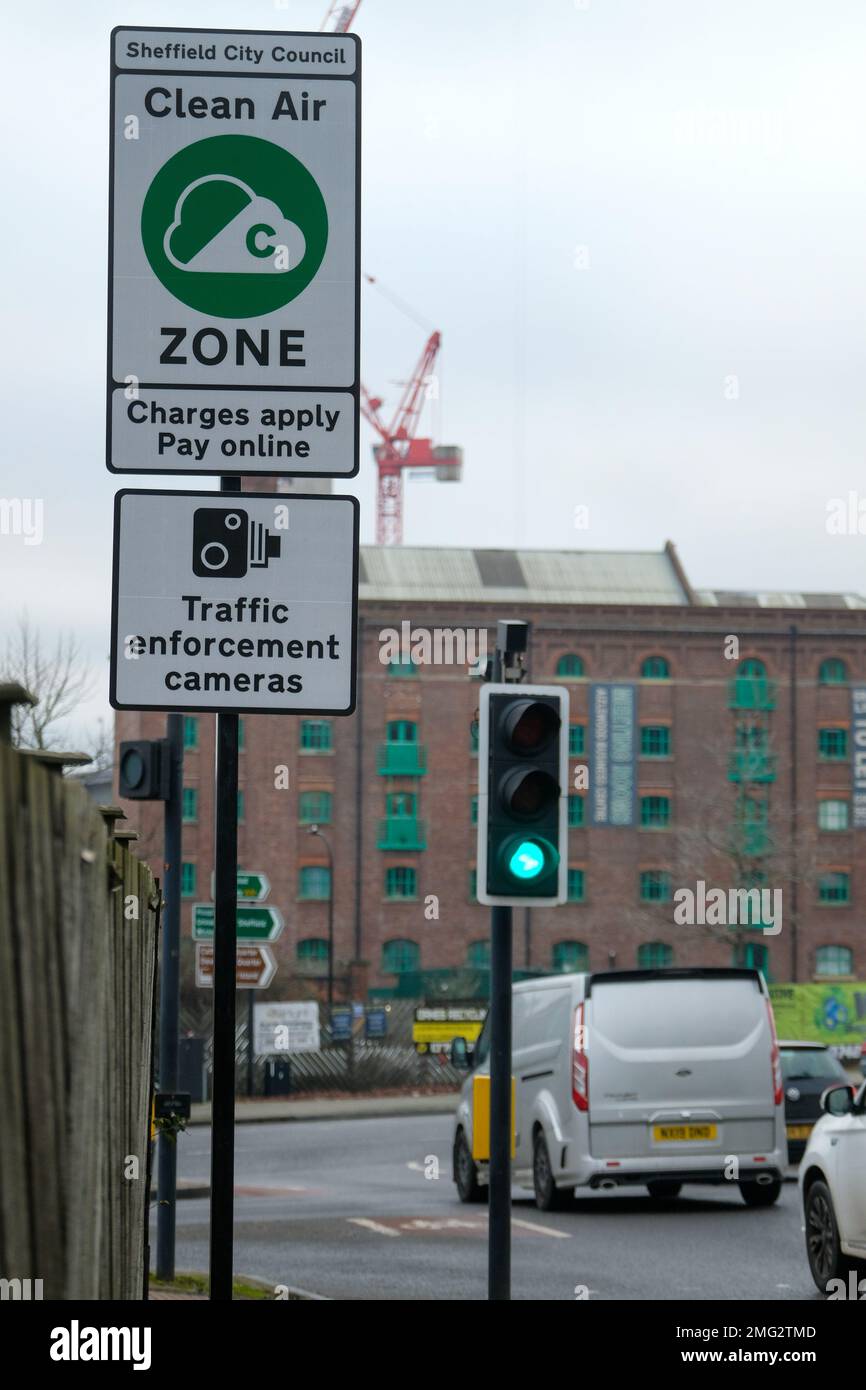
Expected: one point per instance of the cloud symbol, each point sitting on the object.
(221, 226)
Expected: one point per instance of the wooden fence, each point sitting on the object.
(78, 933)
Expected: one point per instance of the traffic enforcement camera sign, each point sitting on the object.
(234, 602)
(234, 253)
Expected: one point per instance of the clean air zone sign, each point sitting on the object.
(234, 253)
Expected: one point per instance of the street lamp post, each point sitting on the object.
(314, 830)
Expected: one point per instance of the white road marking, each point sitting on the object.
(372, 1226)
(540, 1230)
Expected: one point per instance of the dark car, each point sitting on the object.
(807, 1070)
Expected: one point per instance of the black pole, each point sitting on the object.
(499, 1246)
(251, 1006)
(169, 998)
(224, 985)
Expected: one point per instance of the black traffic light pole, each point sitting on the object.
(224, 985)
(499, 1171)
(169, 996)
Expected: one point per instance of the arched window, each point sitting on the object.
(478, 955)
(654, 955)
(833, 671)
(402, 731)
(570, 665)
(752, 668)
(570, 956)
(834, 960)
(656, 668)
(400, 956)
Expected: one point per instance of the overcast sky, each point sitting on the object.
(638, 226)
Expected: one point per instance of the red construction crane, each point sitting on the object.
(400, 449)
(343, 16)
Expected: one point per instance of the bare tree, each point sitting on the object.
(59, 678)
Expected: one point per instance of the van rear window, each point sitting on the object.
(676, 1013)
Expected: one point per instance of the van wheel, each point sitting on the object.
(465, 1173)
(826, 1260)
(760, 1194)
(664, 1191)
(548, 1197)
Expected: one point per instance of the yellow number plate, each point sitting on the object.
(683, 1134)
(799, 1131)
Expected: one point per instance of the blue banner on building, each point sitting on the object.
(858, 755)
(613, 753)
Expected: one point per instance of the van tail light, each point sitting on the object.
(775, 1058)
(579, 1063)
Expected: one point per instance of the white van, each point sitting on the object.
(654, 1077)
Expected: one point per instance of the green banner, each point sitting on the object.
(833, 1014)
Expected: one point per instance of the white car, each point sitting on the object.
(832, 1180)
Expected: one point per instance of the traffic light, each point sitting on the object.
(522, 795)
(143, 770)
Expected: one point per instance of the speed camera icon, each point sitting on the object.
(225, 543)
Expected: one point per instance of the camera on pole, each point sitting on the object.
(522, 795)
(144, 768)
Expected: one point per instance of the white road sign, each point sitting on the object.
(237, 602)
(234, 252)
(286, 1027)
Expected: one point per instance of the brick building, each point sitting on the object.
(743, 769)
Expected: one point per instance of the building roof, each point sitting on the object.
(436, 574)
(520, 576)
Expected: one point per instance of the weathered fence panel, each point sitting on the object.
(77, 974)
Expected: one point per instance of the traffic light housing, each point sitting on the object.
(522, 795)
(143, 769)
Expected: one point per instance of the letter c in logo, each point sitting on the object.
(257, 248)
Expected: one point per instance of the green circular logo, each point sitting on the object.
(234, 226)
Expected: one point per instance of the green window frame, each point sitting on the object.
(188, 879)
(654, 955)
(317, 736)
(314, 808)
(478, 954)
(402, 731)
(570, 664)
(655, 886)
(833, 671)
(834, 814)
(401, 881)
(473, 738)
(312, 950)
(832, 745)
(834, 960)
(576, 740)
(753, 955)
(190, 731)
(189, 805)
(570, 957)
(834, 887)
(473, 810)
(576, 810)
(242, 806)
(314, 883)
(576, 885)
(401, 804)
(655, 741)
(242, 733)
(751, 738)
(752, 669)
(400, 956)
(473, 884)
(655, 812)
(655, 668)
(402, 670)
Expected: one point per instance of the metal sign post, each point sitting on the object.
(169, 999)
